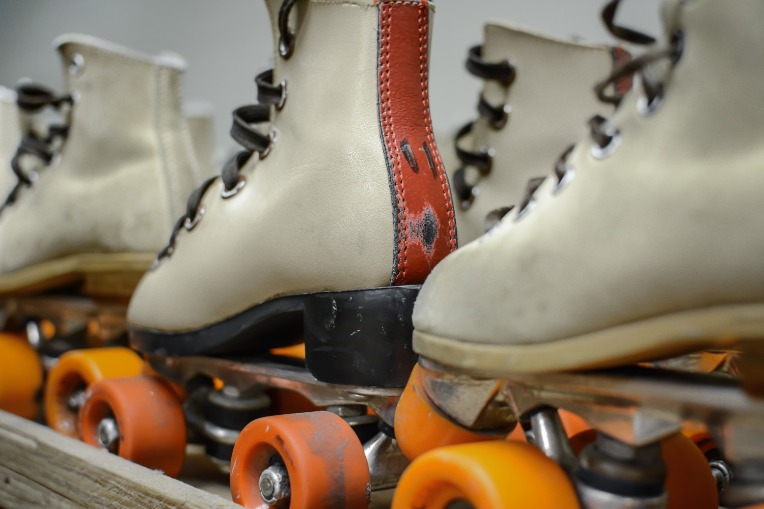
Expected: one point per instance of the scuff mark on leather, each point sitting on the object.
(423, 229)
(408, 153)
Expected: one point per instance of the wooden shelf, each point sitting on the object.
(41, 468)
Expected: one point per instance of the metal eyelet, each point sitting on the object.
(506, 110)
(32, 176)
(286, 44)
(283, 99)
(490, 153)
(567, 177)
(525, 210)
(228, 193)
(77, 64)
(647, 107)
(467, 204)
(55, 160)
(189, 224)
(601, 152)
(272, 136)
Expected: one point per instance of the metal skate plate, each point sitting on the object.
(637, 405)
(100, 321)
(245, 373)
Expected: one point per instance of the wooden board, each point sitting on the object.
(41, 468)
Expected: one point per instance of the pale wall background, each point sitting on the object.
(226, 42)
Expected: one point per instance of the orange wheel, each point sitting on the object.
(572, 423)
(20, 376)
(284, 401)
(517, 435)
(317, 453)
(419, 427)
(73, 374)
(689, 481)
(139, 418)
(582, 439)
(490, 475)
(177, 388)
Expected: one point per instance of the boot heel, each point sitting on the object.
(361, 337)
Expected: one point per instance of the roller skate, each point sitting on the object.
(10, 132)
(537, 90)
(320, 231)
(95, 182)
(643, 245)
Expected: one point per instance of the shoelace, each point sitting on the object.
(605, 135)
(497, 117)
(32, 98)
(244, 131)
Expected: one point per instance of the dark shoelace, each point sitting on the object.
(604, 135)
(244, 131)
(32, 98)
(502, 72)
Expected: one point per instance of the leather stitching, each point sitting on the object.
(389, 132)
(424, 77)
(424, 226)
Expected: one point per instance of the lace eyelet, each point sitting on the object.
(567, 177)
(677, 41)
(601, 152)
(499, 123)
(228, 193)
(282, 101)
(647, 107)
(466, 204)
(55, 160)
(272, 136)
(525, 210)
(77, 64)
(189, 224)
(490, 153)
(32, 176)
(286, 44)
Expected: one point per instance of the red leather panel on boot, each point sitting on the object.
(425, 225)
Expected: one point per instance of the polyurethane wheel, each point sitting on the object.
(317, 452)
(178, 389)
(20, 376)
(420, 428)
(74, 372)
(284, 401)
(572, 423)
(139, 418)
(689, 481)
(488, 475)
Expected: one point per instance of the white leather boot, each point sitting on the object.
(10, 130)
(537, 91)
(332, 217)
(647, 240)
(121, 170)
